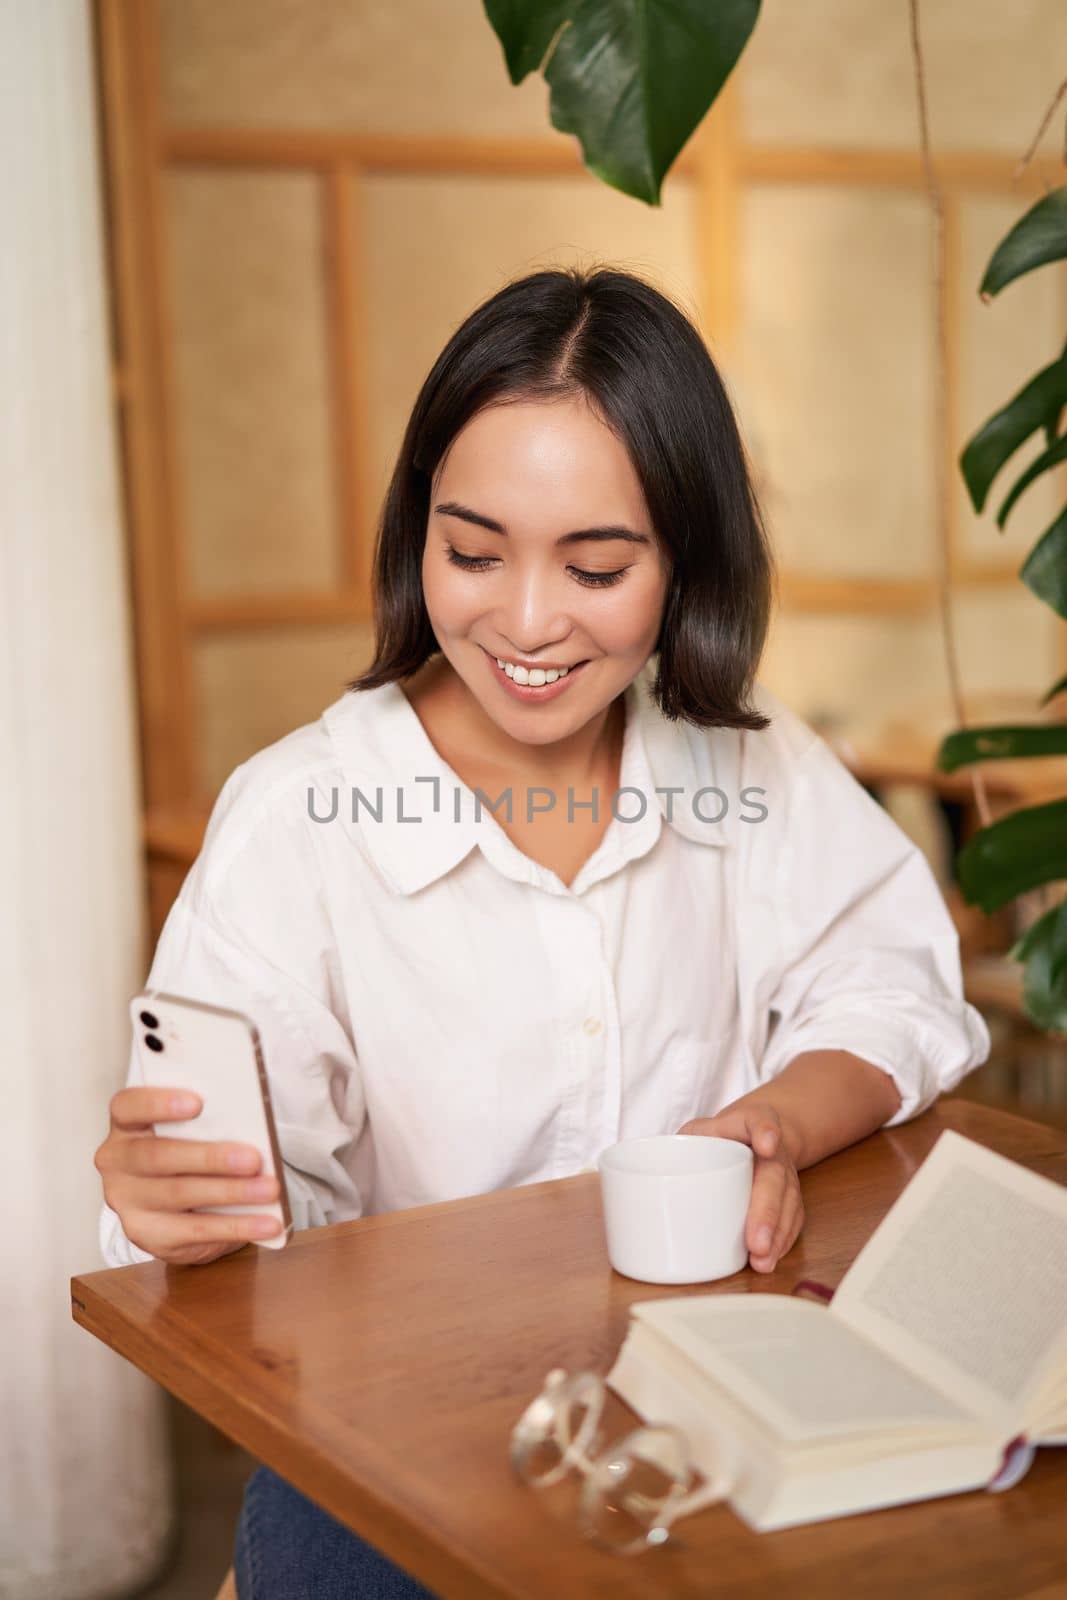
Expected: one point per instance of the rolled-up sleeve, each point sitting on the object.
(231, 940)
(868, 953)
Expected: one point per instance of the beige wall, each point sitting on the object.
(831, 365)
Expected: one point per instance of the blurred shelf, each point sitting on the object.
(909, 756)
(994, 981)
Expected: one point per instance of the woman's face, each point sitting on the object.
(540, 553)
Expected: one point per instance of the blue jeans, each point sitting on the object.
(288, 1548)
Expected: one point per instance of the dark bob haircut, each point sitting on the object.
(640, 362)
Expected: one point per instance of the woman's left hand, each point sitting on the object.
(776, 1211)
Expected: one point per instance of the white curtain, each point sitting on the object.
(86, 1504)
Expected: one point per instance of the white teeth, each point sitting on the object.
(536, 677)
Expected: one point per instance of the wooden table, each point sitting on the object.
(379, 1365)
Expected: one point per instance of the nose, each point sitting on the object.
(532, 615)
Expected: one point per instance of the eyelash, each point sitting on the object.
(592, 580)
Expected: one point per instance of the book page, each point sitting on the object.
(806, 1374)
(965, 1280)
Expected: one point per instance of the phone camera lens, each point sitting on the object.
(149, 1020)
(153, 1041)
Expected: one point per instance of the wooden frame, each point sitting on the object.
(139, 149)
(140, 390)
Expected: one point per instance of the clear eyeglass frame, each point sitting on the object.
(559, 1432)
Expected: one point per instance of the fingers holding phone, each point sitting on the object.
(192, 1165)
(153, 1182)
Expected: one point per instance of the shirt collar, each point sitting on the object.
(392, 769)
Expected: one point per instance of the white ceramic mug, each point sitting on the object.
(675, 1207)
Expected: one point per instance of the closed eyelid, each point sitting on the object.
(464, 555)
(591, 579)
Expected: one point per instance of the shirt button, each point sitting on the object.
(592, 1025)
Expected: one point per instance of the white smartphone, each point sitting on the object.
(185, 1044)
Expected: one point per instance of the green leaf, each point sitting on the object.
(1043, 463)
(1020, 852)
(1052, 421)
(1057, 688)
(1044, 950)
(1045, 569)
(631, 79)
(1038, 237)
(969, 745)
(526, 29)
(1037, 405)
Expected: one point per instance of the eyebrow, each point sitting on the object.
(450, 508)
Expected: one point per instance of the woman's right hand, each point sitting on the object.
(152, 1182)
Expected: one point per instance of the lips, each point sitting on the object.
(533, 693)
(558, 667)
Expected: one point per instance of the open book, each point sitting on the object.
(945, 1343)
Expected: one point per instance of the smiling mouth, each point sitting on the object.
(524, 677)
(533, 677)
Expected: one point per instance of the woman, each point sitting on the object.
(555, 870)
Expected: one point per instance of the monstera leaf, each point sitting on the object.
(1038, 237)
(631, 79)
(1023, 851)
(526, 28)
(1044, 950)
(1052, 457)
(1002, 744)
(1019, 852)
(1037, 405)
(1045, 569)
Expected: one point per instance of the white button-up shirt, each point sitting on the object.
(443, 1016)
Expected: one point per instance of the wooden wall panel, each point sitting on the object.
(1007, 640)
(835, 354)
(336, 201)
(840, 73)
(252, 380)
(874, 669)
(435, 246)
(858, 670)
(255, 687)
(127, 77)
(391, 66)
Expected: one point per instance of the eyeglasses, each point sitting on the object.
(634, 1489)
